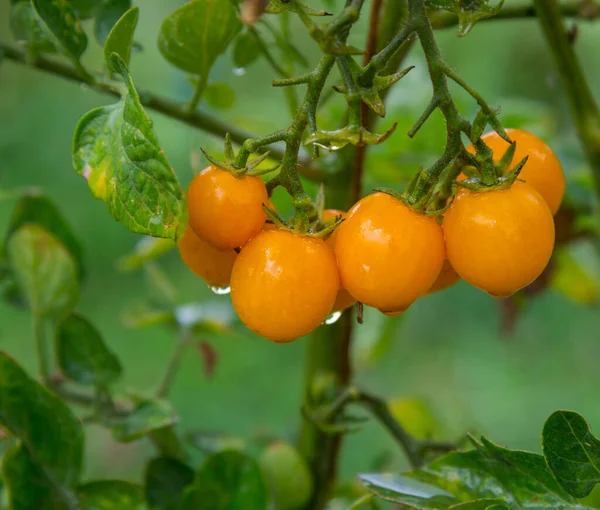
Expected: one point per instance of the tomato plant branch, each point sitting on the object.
(183, 342)
(414, 449)
(572, 9)
(157, 103)
(584, 108)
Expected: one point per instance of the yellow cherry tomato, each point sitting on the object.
(543, 170)
(344, 299)
(499, 241)
(284, 285)
(445, 279)
(388, 255)
(212, 265)
(225, 210)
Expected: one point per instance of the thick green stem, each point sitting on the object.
(41, 347)
(584, 108)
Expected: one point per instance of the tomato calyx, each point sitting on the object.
(503, 182)
(249, 168)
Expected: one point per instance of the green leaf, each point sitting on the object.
(219, 96)
(84, 9)
(120, 38)
(572, 452)
(59, 19)
(227, 481)
(481, 504)
(194, 35)
(148, 416)
(82, 354)
(117, 152)
(520, 479)
(35, 207)
(107, 16)
(44, 270)
(146, 250)
(245, 50)
(27, 27)
(28, 486)
(165, 482)
(51, 436)
(110, 495)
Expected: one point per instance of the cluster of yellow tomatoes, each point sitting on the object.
(385, 255)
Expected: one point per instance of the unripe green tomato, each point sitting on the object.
(286, 475)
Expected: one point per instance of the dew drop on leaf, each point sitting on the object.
(239, 71)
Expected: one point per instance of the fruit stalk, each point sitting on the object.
(584, 109)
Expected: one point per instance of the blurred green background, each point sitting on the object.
(447, 350)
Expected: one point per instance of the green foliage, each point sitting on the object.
(219, 96)
(60, 21)
(120, 38)
(82, 354)
(110, 495)
(572, 452)
(148, 416)
(49, 456)
(227, 481)
(520, 479)
(286, 475)
(107, 15)
(44, 270)
(27, 27)
(36, 208)
(194, 35)
(246, 49)
(166, 479)
(115, 149)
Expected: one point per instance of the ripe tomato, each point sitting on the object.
(283, 285)
(212, 265)
(344, 299)
(543, 170)
(445, 279)
(388, 254)
(225, 210)
(499, 241)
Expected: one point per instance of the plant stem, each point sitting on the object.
(159, 104)
(172, 367)
(41, 347)
(327, 371)
(198, 91)
(328, 354)
(584, 108)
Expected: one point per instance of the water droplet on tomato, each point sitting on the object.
(221, 291)
(333, 318)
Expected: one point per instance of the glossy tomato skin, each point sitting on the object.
(388, 254)
(212, 265)
(499, 241)
(543, 170)
(225, 210)
(344, 299)
(284, 285)
(446, 279)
